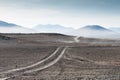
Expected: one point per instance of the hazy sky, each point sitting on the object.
(70, 13)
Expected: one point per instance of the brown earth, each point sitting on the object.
(90, 59)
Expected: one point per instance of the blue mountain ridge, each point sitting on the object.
(6, 24)
(95, 27)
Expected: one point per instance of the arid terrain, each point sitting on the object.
(58, 57)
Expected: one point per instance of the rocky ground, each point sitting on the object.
(84, 60)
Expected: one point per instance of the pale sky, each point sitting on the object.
(70, 13)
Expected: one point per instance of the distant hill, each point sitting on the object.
(94, 28)
(53, 29)
(5, 24)
(43, 37)
(6, 27)
(94, 31)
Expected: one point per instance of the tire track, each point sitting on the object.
(76, 39)
(18, 69)
(49, 63)
(12, 72)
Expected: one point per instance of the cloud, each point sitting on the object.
(73, 13)
(66, 4)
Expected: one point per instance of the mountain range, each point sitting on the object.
(53, 29)
(6, 27)
(96, 31)
(5, 24)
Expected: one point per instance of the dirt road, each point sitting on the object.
(45, 63)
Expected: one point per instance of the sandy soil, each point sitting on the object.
(81, 60)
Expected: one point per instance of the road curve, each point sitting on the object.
(76, 39)
(28, 67)
(50, 63)
(22, 68)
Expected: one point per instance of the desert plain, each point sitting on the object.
(52, 56)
